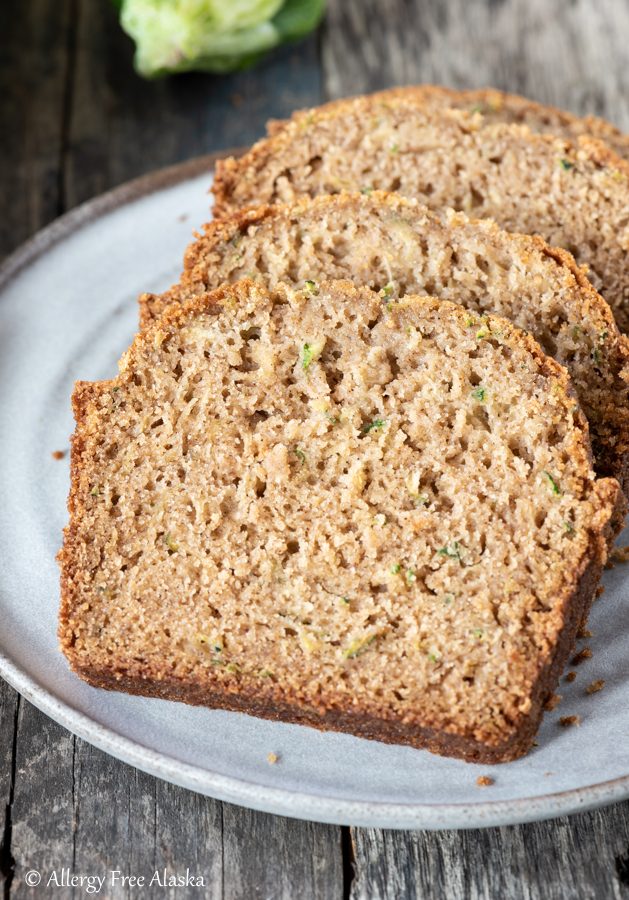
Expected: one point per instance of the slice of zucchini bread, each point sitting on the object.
(314, 507)
(575, 194)
(397, 246)
(497, 106)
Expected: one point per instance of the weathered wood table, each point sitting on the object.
(76, 120)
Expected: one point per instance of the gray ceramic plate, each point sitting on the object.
(67, 311)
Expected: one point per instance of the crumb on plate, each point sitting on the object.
(484, 781)
(586, 653)
(595, 687)
(568, 721)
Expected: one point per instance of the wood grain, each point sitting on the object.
(43, 810)
(33, 75)
(78, 121)
(9, 707)
(571, 53)
(143, 826)
(583, 857)
(271, 857)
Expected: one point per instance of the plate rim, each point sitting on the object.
(280, 801)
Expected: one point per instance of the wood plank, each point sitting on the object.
(9, 706)
(33, 79)
(78, 808)
(133, 824)
(570, 52)
(43, 797)
(33, 74)
(121, 125)
(269, 856)
(584, 857)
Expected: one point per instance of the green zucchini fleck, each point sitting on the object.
(554, 486)
(358, 646)
(376, 425)
(306, 356)
(452, 551)
(234, 668)
(170, 543)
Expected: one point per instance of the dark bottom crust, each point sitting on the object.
(466, 747)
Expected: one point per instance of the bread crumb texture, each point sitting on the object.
(497, 106)
(325, 507)
(572, 191)
(397, 246)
